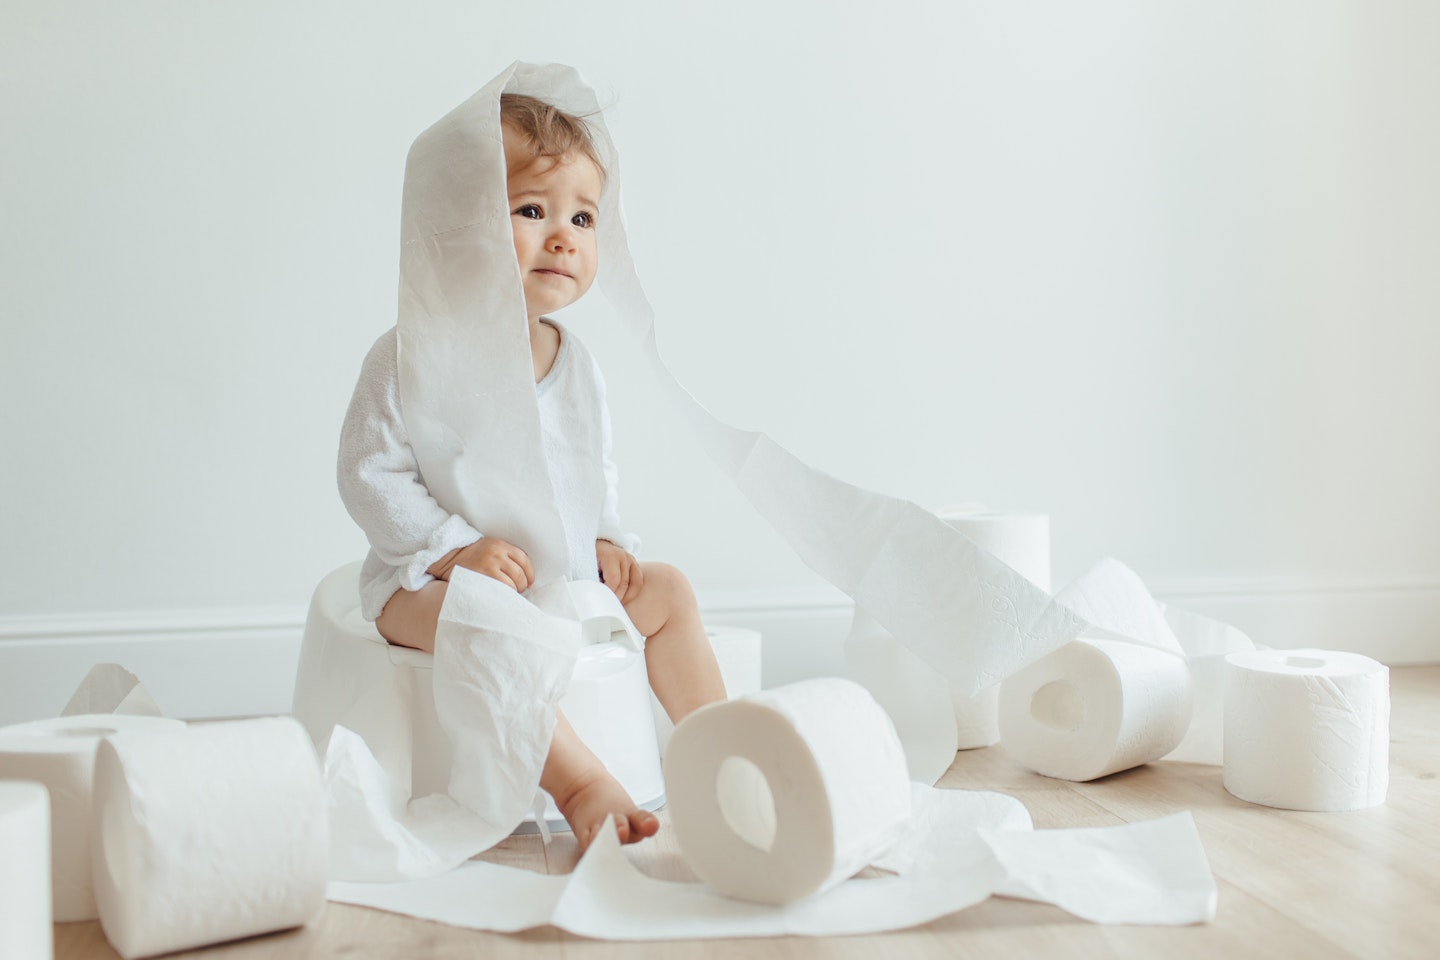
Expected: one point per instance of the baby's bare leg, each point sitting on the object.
(411, 616)
(678, 655)
(587, 794)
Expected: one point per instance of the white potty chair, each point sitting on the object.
(349, 675)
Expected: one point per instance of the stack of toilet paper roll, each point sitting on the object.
(174, 835)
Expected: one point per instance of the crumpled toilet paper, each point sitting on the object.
(1147, 873)
(946, 849)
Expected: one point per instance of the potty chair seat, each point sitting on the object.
(351, 676)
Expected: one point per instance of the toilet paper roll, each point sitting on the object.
(207, 833)
(737, 651)
(24, 871)
(1094, 707)
(1021, 541)
(1018, 539)
(784, 794)
(60, 753)
(1307, 729)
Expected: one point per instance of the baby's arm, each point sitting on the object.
(380, 481)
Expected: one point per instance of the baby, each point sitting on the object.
(554, 182)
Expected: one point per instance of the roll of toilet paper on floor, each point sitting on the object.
(60, 753)
(737, 651)
(1095, 707)
(24, 871)
(1018, 539)
(783, 794)
(1307, 729)
(207, 833)
(1022, 542)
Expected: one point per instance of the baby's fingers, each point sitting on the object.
(521, 562)
(637, 578)
(518, 573)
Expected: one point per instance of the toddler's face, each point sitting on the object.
(552, 213)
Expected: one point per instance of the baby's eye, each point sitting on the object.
(585, 220)
(530, 211)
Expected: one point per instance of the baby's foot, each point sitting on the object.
(594, 800)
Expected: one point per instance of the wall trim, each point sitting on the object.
(241, 661)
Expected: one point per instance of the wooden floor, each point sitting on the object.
(1313, 885)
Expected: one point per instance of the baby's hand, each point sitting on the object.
(619, 570)
(493, 557)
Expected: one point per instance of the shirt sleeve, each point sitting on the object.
(380, 480)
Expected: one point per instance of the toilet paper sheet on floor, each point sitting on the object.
(963, 847)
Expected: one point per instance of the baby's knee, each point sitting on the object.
(669, 582)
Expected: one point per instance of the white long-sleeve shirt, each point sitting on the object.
(408, 530)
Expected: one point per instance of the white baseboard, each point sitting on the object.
(223, 663)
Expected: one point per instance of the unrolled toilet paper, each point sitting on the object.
(24, 871)
(1307, 729)
(784, 794)
(915, 695)
(60, 753)
(207, 833)
(110, 688)
(1096, 706)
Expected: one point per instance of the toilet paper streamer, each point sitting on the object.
(915, 695)
(1307, 729)
(954, 849)
(60, 753)
(784, 794)
(24, 871)
(207, 833)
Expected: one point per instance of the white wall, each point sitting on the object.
(1166, 271)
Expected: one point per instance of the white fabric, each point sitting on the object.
(408, 530)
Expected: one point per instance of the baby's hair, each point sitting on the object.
(546, 130)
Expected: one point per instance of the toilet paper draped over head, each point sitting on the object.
(467, 388)
(468, 396)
